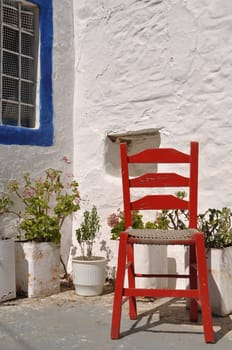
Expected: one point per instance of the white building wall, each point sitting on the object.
(152, 64)
(122, 66)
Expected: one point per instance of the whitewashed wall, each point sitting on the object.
(152, 64)
(121, 66)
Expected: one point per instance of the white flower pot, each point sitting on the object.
(151, 260)
(7, 270)
(148, 259)
(89, 275)
(219, 262)
(37, 268)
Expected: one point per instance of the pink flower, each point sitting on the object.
(66, 160)
(113, 220)
(27, 193)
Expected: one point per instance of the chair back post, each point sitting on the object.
(125, 185)
(193, 191)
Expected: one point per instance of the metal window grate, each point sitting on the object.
(18, 62)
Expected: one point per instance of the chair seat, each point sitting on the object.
(162, 237)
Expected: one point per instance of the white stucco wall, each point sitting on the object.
(121, 66)
(152, 64)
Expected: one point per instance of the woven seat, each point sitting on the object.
(155, 236)
(191, 238)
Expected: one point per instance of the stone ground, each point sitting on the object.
(67, 321)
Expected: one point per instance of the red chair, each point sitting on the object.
(197, 291)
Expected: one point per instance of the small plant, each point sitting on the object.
(216, 225)
(164, 220)
(117, 223)
(87, 232)
(46, 201)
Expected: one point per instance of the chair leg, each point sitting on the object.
(131, 282)
(204, 290)
(119, 284)
(193, 283)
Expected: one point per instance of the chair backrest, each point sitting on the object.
(161, 180)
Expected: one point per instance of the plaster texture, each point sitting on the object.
(152, 64)
(37, 268)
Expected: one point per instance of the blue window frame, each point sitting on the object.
(43, 135)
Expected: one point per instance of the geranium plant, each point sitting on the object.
(215, 223)
(46, 202)
(164, 220)
(117, 223)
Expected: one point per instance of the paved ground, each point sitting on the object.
(67, 321)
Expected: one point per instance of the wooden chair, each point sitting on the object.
(197, 291)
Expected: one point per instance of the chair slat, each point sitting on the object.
(165, 155)
(158, 202)
(160, 180)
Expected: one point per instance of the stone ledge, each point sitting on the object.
(133, 135)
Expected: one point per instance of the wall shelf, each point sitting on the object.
(132, 135)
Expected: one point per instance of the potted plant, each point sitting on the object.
(45, 203)
(164, 220)
(7, 255)
(117, 223)
(216, 224)
(88, 270)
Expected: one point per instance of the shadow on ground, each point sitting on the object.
(173, 313)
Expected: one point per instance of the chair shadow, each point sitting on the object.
(175, 312)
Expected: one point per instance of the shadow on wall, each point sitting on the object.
(136, 142)
(178, 264)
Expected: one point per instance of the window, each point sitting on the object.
(25, 81)
(19, 46)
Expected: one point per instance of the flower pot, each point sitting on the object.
(7, 270)
(37, 268)
(148, 260)
(219, 264)
(89, 275)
